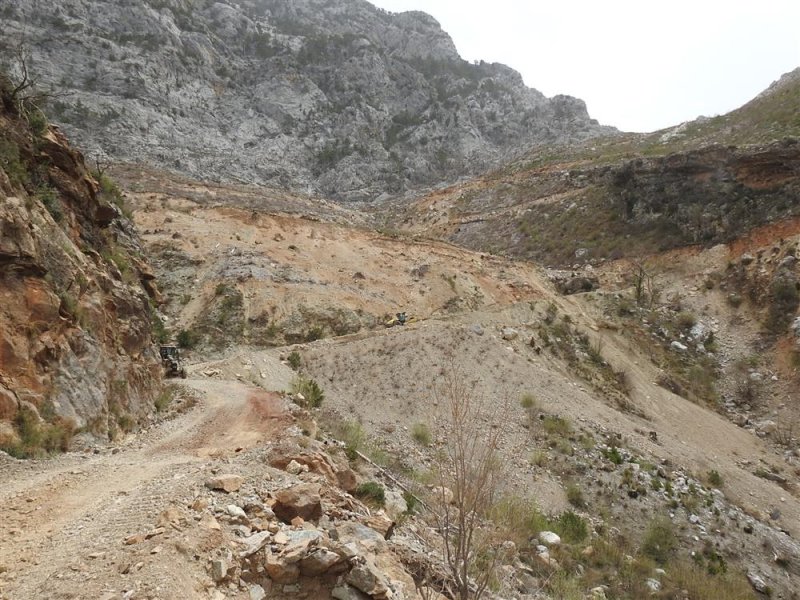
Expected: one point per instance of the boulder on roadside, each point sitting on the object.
(298, 501)
(227, 483)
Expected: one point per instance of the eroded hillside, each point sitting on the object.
(236, 273)
(614, 406)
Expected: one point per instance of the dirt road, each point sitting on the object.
(63, 521)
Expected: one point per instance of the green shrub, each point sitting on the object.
(575, 496)
(187, 338)
(37, 437)
(571, 527)
(165, 397)
(659, 541)
(784, 300)
(528, 401)
(110, 189)
(421, 434)
(714, 478)
(412, 502)
(126, 422)
(353, 436)
(159, 330)
(310, 390)
(519, 518)
(735, 300)
(120, 259)
(49, 198)
(539, 458)
(685, 321)
(11, 163)
(314, 334)
(613, 455)
(36, 119)
(371, 491)
(294, 360)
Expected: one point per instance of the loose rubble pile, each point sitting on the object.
(285, 525)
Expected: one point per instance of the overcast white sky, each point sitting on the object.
(640, 65)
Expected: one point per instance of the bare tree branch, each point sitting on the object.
(470, 476)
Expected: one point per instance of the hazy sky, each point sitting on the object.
(640, 65)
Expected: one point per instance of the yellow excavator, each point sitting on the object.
(399, 319)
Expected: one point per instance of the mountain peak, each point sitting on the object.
(338, 97)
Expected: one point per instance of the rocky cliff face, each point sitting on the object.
(76, 349)
(332, 96)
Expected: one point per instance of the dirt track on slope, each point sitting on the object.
(63, 521)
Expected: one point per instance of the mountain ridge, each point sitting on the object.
(337, 98)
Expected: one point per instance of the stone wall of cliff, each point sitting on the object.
(76, 342)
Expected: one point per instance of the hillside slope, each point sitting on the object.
(241, 280)
(337, 97)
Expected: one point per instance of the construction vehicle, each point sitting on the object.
(399, 319)
(171, 360)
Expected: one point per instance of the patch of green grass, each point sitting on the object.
(294, 360)
(126, 422)
(659, 541)
(699, 584)
(112, 192)
(11, 163)
(372, 492)
(412, 502)
(36, 118)
(714, 478)
(556, 426)
(314, 333)
(119, 258)
(571, 527)
(353, 436)
(519, 518)
(421, 434)
(684, 321)
(38, 437)
(160, 332)
(539, 458)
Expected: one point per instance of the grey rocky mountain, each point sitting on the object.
(333, 96)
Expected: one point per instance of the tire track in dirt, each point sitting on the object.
(73, 507)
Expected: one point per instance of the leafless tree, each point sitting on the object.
(20, 87)
(471, 471)
(645, 289)
(25, 82)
